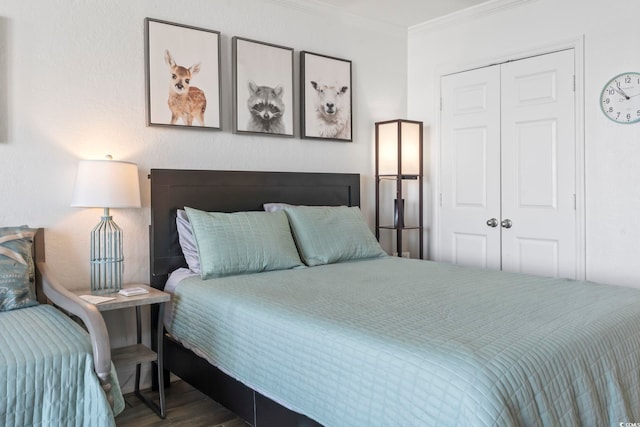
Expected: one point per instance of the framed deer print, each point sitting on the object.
(183, 75)
(326, 89)
(262, 88)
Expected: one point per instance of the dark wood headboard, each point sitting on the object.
(231, 191)
(37, 252)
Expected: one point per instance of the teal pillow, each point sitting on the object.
(328, 234)
(17, 273)
(242, 242)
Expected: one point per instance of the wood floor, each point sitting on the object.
(186, 406)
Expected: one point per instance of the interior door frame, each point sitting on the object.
(575, 43)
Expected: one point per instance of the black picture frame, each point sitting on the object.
(326, 97)
(182, 66)
(263, 89)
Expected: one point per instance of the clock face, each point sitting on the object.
(620, 98)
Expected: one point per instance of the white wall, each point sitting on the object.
(72, 87)
(612, 152)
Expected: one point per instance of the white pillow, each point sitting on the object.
(187, 241)
(275, 207)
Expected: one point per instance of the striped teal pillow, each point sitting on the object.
(17, 281)
(242, 242)
(328, 234)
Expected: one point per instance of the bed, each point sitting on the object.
(50, 373)
(387, 341)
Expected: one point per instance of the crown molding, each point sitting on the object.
(317, 8)
(464, 15)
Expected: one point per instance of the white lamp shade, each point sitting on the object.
(410, 148)
(388, 148)
(106, 184)
(399, 137)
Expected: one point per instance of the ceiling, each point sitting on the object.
(405, 13)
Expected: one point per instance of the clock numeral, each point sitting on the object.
(638, 113)
(627, 79)
(628, 116)
(610, 110)
(607, 101)
(612, 91)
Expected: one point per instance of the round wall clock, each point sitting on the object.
(620, 98)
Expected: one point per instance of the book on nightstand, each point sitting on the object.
(129, 292)
(95, 299)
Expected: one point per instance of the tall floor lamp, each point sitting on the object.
(106, 184)
(399, 158)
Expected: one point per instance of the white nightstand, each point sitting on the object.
(139, 353)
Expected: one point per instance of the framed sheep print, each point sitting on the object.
(326, 97)
(183, 75)
(262, 88)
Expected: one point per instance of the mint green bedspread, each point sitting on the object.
(397, 342)
(46, 372)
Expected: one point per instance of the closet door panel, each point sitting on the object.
(538, 165)
(470, 160)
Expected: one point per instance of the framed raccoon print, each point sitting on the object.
(183, 75)
(262, 88)
(325, 84)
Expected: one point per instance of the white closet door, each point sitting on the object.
(508, 153)
(538, 165)
(470, 165)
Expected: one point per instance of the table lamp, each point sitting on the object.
(106, 184)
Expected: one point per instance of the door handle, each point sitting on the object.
(506, 223)
(492, 222)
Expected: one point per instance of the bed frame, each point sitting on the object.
(38, 254)
(230, 191)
